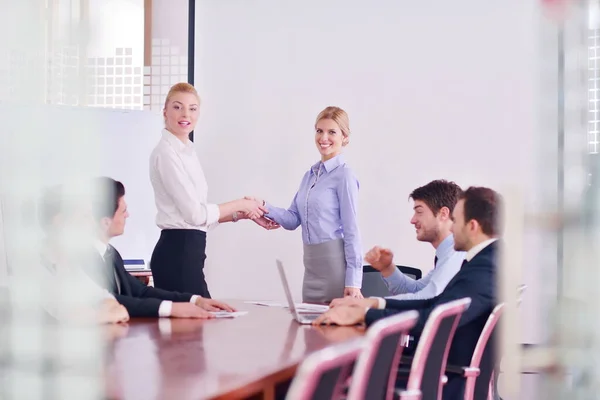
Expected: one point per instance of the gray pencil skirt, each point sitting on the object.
(324, 271)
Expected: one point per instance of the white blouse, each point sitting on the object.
(180, 188)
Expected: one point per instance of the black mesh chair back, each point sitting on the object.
(373, 284)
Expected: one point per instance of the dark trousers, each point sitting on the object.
(177, 261)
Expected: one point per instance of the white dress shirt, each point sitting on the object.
(477, 249)
(180, 188)
(68, 292)
(68, 288)
(164, 310)
(448, 264)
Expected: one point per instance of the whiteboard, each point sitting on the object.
(127, 141)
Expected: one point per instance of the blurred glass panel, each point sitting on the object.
(168, 61)
(567, 365)
(115, 57)
(111, 60)
(48, 349)
(137, 49)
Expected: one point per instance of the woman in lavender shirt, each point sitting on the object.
(326, 207)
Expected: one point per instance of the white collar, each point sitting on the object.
(179, 146)
(445, 248)
(101, 247)
(476, 249)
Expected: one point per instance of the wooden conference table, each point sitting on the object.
(250, 356)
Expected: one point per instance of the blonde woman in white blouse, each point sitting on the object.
(181, 195)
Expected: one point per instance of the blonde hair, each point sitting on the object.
(181, 87)
(338, 116)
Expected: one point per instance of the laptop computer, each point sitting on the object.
(303, 318)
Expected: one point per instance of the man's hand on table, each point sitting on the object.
(342, 315)
(213, 305)
(351, 301)
(189, 310)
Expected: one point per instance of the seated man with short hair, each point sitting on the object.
(62, 218)
(433, 207)
(110, 213)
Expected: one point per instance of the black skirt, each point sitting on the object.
(177, 261)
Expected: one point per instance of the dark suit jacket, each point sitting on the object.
(477, 280)
(139, 300)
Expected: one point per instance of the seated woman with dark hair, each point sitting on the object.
(71, 294)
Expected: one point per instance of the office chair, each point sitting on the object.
(426, 372)
(323, 374)
(412, 272)
(374, 375)
(479, 374)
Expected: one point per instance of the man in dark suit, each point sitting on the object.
(110, 212)
(475, 231)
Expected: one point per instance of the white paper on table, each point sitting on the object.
(302, 307)
(227, 314)
(266, 303)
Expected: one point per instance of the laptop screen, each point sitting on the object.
(286, 287)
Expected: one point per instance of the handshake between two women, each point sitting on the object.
(255, 209)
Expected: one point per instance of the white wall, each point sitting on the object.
(3, 266)
(434, 89)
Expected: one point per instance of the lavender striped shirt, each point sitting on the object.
(326, 206)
